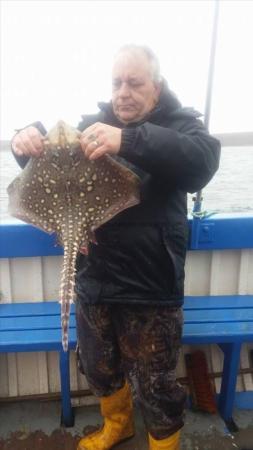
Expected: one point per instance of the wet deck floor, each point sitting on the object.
(35, 426)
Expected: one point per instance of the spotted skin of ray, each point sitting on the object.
(64, 192)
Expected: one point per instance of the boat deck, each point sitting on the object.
(34, 425)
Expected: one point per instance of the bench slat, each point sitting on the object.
(218, 302)
(31, 309)
(218, 315)
(217, 332)
(35, 340)
(33, 323)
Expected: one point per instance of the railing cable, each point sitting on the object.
(198, 198)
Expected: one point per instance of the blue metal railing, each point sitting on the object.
(215, 232)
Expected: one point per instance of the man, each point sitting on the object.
(130, 285)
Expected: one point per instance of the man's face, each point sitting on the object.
(134, 93)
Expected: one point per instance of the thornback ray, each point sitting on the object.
(64, 192)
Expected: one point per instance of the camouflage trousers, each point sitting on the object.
(140, 344)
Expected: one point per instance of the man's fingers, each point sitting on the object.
(91, 133)
(100, 151)
(18, 147)
(92, 129)
(91, 138)
(28, 147)
(36, 139)
(28, 142)
(99, 139)
(90, 148)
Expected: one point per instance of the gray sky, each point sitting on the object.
(56, 56)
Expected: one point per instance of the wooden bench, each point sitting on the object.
(223, 320)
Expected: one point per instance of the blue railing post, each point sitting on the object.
(67, 410)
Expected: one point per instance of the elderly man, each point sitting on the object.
(130, 286)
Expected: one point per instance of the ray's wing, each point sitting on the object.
(34, 193)
(118, 187)
(72, 192)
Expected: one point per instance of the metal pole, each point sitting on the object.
(198, 198)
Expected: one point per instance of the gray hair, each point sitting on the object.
(151, 56)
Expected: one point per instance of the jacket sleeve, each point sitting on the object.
(22, 160)
(187, 158)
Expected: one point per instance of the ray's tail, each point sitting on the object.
(67, 287)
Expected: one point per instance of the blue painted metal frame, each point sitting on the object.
(67, 418)
(216, 232)
(21, 240)
(228, 385)
(29, 327)
(221, 231)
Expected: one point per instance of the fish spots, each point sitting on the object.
(89, 188)
(48, 190)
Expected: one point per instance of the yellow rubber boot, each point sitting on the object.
(117, 410)
(170, 443)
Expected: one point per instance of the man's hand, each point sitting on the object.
(99, 139)
(28, 142)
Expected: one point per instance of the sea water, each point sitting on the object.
(231, 189)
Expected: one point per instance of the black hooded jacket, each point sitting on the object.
(140, 254)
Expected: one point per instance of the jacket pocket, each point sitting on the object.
(137, 262)
(175, 243)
